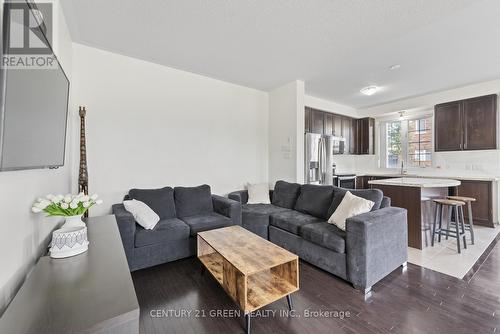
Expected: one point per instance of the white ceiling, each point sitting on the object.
(335, 46)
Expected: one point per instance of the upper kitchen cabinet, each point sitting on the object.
(359, 134)
(317, 121)
(466, 124)
(480, 123)
(448, 127)
(365, 136)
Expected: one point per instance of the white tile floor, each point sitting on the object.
(443, 257)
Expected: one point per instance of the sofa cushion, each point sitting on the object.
(325, 235)
(255, 217)
(192, 201)
(374, 195)
(166, 230)
(291, 220)
(285, 194)
(206, 221)
(315, 200)
(160, 200)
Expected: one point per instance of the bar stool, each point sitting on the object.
(470, 225)
(452, 206)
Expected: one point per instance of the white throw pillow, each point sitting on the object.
(350, 206)
(258, 193)
(143, 214)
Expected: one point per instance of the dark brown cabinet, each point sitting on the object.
(359, 134)
(480, 120)
(317, 121)
(482, 208)
(346, 130)
(466, 124)
(365, 136)
(328, 127)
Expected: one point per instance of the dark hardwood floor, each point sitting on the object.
(175, 298)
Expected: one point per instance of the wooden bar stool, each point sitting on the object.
(437, 229)
(470, 225)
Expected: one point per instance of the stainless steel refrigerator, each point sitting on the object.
(319, 151)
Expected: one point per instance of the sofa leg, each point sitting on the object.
(364, 291)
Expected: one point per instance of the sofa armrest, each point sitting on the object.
(227, 207)
(386, 202)
(126, 226)
(376, 244)
(240, 196)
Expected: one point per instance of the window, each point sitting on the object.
(408, 142)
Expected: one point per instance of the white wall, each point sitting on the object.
(286, 133)
(330, 106)
(24, 235)
(153, 126)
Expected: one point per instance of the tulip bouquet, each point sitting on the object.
(65, 206)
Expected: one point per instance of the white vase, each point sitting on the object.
(73, 221)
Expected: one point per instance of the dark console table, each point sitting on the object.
(88, 293)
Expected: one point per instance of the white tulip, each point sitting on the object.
(86, 204)
(85, 198)
(64, 206)
(50, 196)
(73, 205)
(36, 210)
(68, 199)
(94, 197)
(99, 201)
(42, 205)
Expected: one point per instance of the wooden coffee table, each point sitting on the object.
(253, 271)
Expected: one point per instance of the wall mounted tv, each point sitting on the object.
(33, 101)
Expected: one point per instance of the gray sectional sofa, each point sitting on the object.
(373, 244)
(183, 213)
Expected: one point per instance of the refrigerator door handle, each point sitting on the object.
(322, 162)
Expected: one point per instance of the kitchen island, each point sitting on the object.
(415, 195)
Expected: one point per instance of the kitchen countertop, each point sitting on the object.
(432, 176)
(419, 182)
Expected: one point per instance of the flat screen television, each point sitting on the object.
(33, 109)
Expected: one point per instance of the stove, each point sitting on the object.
(347, 181)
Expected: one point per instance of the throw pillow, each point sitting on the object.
(349, 207)
(143, 214)
(258, 193)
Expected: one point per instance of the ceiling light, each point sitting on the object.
(402, 114)
(394, 67)
(370, 90)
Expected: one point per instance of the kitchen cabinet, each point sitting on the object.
(480, 120)
(337, 125)
(346, 130)
(317, 121)
(466, 124)
(307, 123)
(359, 134)
(482, 208)
(328, 127)
(365, 136)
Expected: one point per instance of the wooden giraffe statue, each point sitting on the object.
(83, 177)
